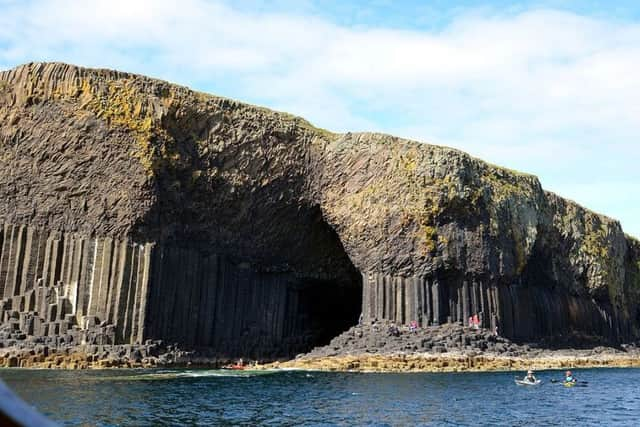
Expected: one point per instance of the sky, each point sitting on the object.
(546, 87)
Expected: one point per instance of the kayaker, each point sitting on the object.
(569, 378)
(530, 377)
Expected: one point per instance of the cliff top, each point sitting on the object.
(55, 80)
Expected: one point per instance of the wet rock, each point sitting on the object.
(136, 355)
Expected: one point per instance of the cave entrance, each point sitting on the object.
(304, 292)
(329, 300)
(330, 308)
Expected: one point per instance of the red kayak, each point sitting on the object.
(234, 367)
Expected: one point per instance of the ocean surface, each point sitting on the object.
(200, 397)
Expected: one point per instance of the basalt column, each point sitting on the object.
(528, 312)
(55, 283)
(214, 301)
(519, 311)
(425, 300)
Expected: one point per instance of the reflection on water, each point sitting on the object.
(206, 397)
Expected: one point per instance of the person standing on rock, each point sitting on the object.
(394, 331)
(476, 321)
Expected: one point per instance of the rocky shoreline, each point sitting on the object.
(374, 347)
(90, 356)
(151, 354)
(94, 350)
(427, 362)
(384, 347)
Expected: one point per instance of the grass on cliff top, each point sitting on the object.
(603, 217)
(388, 139)
(299, 121)
(507, 170)
(633, 239)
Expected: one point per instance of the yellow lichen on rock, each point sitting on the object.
(121, 105)
(426, 362)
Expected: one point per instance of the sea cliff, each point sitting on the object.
(133, 210)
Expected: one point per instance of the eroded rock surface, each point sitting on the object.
(157, 212)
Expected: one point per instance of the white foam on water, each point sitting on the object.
(209, 373)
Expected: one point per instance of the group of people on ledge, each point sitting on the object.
(474, 322)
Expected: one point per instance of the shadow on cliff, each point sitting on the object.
(240, 268)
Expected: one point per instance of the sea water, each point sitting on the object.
(608, 397)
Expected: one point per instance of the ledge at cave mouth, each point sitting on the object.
(133, 209)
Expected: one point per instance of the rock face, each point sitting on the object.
(133, 209)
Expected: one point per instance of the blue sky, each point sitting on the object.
(546, 87)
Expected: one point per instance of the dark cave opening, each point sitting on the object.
(330, 308)
(331, 302)
(237, 307)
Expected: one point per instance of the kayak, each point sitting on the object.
(234, 367)
(523, 382)
(568, 383)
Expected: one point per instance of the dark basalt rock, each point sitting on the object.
(133, 209)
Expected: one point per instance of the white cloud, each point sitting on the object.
(550, 92)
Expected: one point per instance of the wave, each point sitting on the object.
(197, 373)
